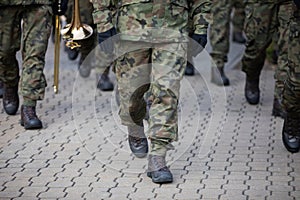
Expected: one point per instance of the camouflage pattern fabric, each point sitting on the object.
(157, 29)
(25, 2)
(219, 30)
(263, 20)
(291, 93)
(284, 16)
(135, 73)
(35, 33)
(105, 16)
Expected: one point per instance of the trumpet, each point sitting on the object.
(76, 30)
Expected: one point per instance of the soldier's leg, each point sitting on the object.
(219, 39)
(37, 22)
(10, 34)
(284, 15)
(238, 22)
(168, 66)
(291, 93)
(167, 71)
(258, 29)
(132, 72)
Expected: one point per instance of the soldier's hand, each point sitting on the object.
(201, 40)
(59, 7)
(108, 45)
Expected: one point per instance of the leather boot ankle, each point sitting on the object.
(138, 142)
(104, 83)
(158, 171)
(11, 99)
(291, 133)
(29, 119)
(218, 76)
(252, 91)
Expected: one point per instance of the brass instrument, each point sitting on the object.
(76, 30)
(56, 53)
(71, 33)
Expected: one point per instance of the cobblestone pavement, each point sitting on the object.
(227, 149)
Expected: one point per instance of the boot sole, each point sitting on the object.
(27, 127)
(160, 180)
(292, 150)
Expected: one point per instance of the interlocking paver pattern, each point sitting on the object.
(227, 149)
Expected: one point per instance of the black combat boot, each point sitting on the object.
(277, 110)
(252, 91)
(84, 68)
(138, 142)
(11, 100)
(1, 89)
(29, 119)
(238, 37)
(218, 76)
(189, 70)
(158, 171)
(291, 133)
(104, 83)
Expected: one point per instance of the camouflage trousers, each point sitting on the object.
(263, 20)
(291, 93)
(33, 35)
(220, 27)
(155, 69)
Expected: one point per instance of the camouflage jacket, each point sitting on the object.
(136, 17)
(24, 2)
(267, 1)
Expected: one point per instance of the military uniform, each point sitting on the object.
(219, 33)
(291, 92)
(154, 42)
(263, 19)
(36, 16)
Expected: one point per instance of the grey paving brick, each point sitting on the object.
(52, 193)
(32, 191)
(70, 158)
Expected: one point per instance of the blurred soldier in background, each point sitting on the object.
(87, 46)
(291, 92)
(157, 31)
(201, 37)
(219, 35)
(263, 20)
(33, 34)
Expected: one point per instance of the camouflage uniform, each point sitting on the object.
(35, 31)
(263, 19)
(145, 24)
(291, 93)
(219, 31)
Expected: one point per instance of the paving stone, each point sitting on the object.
(52, 193)
(73, 157)
(32, 191)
